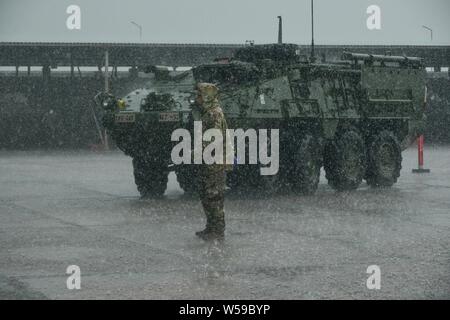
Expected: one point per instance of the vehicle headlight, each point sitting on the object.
(121, 104)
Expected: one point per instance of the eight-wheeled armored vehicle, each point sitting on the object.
(353, 117)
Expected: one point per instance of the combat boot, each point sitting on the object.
(202, 233)
(211, 235)
(215, 227)
(215, 230)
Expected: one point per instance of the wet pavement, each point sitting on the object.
(81, 208)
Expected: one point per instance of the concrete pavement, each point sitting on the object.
(80, 208)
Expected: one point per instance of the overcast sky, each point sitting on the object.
(225, 21)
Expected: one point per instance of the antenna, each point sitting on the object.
(313, 54)
(280, 30)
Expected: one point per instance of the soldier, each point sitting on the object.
(212, 177)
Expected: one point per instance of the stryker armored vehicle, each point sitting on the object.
(141, 124)
(353, 117)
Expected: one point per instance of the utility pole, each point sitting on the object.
(313, 54)
(105, 134)
(280, 30)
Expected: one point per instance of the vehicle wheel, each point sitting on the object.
(385, 160)
(270, 184)
(243, 178)
(345, 160)
(306, 164)
(150, 178)
(187, 177)
(233, 179)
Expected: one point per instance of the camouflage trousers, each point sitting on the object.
(212, 189)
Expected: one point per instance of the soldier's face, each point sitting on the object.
(199, 99)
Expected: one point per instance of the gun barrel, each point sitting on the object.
(415, 61)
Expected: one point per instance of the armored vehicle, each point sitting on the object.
(141, 124)
(353, 117)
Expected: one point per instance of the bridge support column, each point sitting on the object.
(106, 71)
(134, 72)
(46, 72)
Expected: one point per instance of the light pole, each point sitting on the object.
(431, 31)
(313, 54)
(140, 29)
(280, 30)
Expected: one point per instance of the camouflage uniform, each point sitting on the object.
(212, 177)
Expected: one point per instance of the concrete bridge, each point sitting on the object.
(51, 55)
(54, 111)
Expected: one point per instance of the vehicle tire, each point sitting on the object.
(306, 164)
(270, 184)
(233, 180)
(187, 177)
(385, 160)
(243, 178)
(150, 177)
(345, 160)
